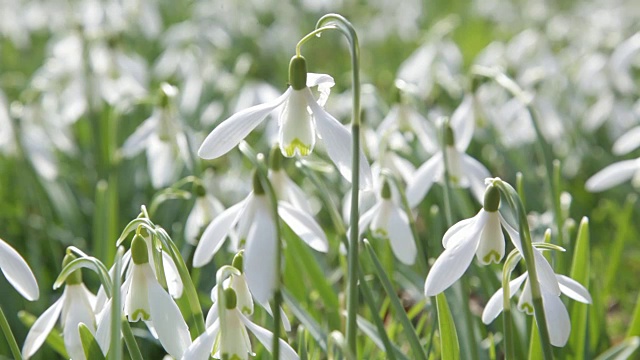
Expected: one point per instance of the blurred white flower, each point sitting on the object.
(627, 142)
(615, 174)
(302, 115)
(255, 230)
(464, 171)
(17, 272)
(75, 306)
(386, 220)
(556, 314)
(205, 208)
(145, 299)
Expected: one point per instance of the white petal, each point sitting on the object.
(628, 142)
(546, 275)
(138, 140)
(234, 339)
(324, 83)
(194, 223)
(513, 234)
(17, 272)
(451, 264)
(297, 133)
(266, 338)
(203, 345)
(214, 235)
(423, 178)
(424, 131)
(612, 175)
(460, 226)
(260, 256)
(243, 295)
(212, 315)
(495, 305)
(476, 173)
(162, 161)
(136, 302)
(103, 332)
(77, 309)
(525, 302)
(174, 282)
(463, 123)
(41, 328)
(304, 226)
(402, 242)
(558, 320)
(337, 140)
(171, 328)
(287, 190)
(231, 131)
(366, 218)
(573, 289)
(491, 246)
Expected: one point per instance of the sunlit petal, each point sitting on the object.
(557, 317)
(304, 226)
(546, 275)
(260, 256)
(463, 123)
(612, 175)
(138, 140)
(402, 242)
(627, 142)
(573, 289)
(495, 305)
(17, 272)
(214, 235)
(491, 246)
(171, 328)
(266, 338)
(41, 328)
(174, 282)
(201, 347)
(423, 178)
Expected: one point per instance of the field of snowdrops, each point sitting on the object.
(319, 179)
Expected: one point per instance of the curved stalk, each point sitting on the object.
(338, 22)
(8, 334)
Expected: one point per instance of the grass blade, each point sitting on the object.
(580, 267)
(449, 347)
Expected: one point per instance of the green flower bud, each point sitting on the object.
(275, 159)
(238, 261)
(298, 73)
(257, 184)
(139, 253)
(199, 190)
(386, 190)
(491, 199)
(230, 299)
(449, 136)
(75, 277)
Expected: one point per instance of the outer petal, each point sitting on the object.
(366, 218)
(463, 123)
(138, 140)
(174, 282)
(460, 226)
(628, 142)
(423, 178)
(266, 338)
(495, 305)
(162, 161)
(573, 289)
(491, 246)
(203, 345)
(613, 175)
(42, 327)
(546, 275)
(476, 173)
(260, 256)
(402, 242)
(304, 226)
(78, 310)
(230, 132)
(171, 328)
(558, 320)
(214, 235)
(338, 143)
(17, 272)
(103, 332)
(452, 263)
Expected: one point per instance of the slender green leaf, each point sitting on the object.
(622, 351)
(634, 327)
(580, 267)
(370, 330)
(307, 320)
(535, 348)
(416, 347)
(89, 344)
(449, 347)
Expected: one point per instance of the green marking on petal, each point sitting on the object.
(139, 313)
(381, 233)
(303, 149)
(492, 256)
(528, 308)
(246, 310)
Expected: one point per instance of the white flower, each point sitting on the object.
(17, 272)
(615, 174)
(286, 189)
(464, 170)
(302, 115)
(231, 339)
(146, 299)
(75, 306)
(480, 235)
(255, 229)
(556, 314)
(404, 117)
(205, 209)
(627, 142)
(164, 140)
(386, 220)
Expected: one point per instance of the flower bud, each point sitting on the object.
(275, 159)
(75, 277)
(238, 261)
(199, 190)
(257, 184)
(230, 299)
(298, 73)
(386, 190)
(449, 137)
(491, 199)
(139, 253)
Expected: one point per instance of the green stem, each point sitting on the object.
(446, 183)
(115, 349)
(509, 264)
(338, 22)
(527, 248)
(130, 340)
(8, 334)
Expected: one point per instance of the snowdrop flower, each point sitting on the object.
(286, 189)
(227, 337)
(145, 299)
(480, 235)
(205, 208)
(302, 115)
(464, 170)
(75, 306)
(615, 174)
(555, 312)
(255, 230)
(17, 272)
(164, 140)
(627, 142)
(386, 220)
